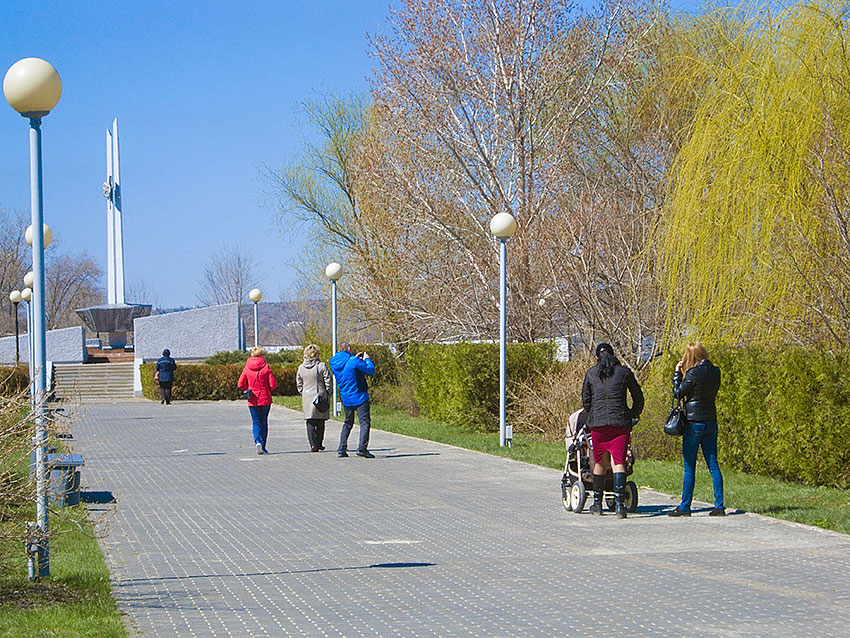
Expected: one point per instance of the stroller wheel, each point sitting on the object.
(631, 497)
(579, 496)
(566, 493)
(611, 503)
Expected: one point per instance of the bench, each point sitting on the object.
(63, 486)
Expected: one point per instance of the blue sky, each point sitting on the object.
(205, 94)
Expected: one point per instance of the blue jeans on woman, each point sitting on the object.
(260, 419)
(698, 435)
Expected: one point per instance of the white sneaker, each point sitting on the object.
(259, 448)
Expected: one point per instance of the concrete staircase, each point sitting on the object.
(102, 381)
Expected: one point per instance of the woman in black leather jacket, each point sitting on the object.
(696, 382)
(609, 419)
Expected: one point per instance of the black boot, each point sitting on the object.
(598, 490)
(619, 494)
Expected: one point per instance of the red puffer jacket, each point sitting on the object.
(258, 376)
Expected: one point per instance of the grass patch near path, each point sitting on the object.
(75, 601)
(824, 507)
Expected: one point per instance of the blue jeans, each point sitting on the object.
(260, 419)
(694, 436)
(365, 420)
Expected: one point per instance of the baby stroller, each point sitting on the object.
(577, 480)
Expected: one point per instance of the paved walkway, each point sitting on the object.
(210, 539)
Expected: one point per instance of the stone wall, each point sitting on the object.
(189, 334)
(66, 345)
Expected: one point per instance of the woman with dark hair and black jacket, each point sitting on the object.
(697, 381)
(610, 420)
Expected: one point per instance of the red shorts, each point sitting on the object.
(612, 439)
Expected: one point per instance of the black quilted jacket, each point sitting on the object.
(605, 399)
(698, 390)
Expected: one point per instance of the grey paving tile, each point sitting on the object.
(209, 539)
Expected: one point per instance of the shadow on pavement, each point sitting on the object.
(97, 497)
(132, 581)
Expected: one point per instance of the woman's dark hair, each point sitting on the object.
(607, 360)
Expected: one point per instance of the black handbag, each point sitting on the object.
(321, 401)
(247, 394)
(675, 423)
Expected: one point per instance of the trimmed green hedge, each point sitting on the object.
(204, 382)
(13, 380)
(239, 357)
(783, 413)
(458, 384)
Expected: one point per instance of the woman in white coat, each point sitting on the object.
(314, 380)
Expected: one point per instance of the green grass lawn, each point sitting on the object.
(75, 601)
(821, 506)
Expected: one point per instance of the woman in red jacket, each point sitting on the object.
(258, 378)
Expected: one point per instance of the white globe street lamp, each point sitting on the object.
(28, 280)
(33, 87)
(503, 227)
(255, 295)
(333, 271)
(46, 233)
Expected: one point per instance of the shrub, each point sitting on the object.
(13, 380)
(387, 364)
(543, 403)
(283, 357)
(782, 412)
(458, 384)
(204, 382)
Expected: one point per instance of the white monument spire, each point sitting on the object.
(114, 226)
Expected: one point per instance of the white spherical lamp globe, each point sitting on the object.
(333, 271)
(28, 279)
(15, 296)
(48, 235)
(503, 225)
(255, 295)
(26, 294)
(32, 87)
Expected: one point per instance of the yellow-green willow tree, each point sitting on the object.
(754, 241)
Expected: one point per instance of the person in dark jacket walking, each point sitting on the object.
(313, 380)
(610, 419)
(165, 367)
(697, 381)
(258, 377)
(350, 372)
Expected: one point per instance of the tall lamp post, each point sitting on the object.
(15, 298)
(255, 295)
(503, 226)
(33, 87)
(333, 271)
(26, 295)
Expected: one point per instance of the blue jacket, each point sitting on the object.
(350, 374)
(166, 367)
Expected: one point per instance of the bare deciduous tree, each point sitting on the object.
(481, 107)
(229, 273)
(13, 261)
(71, 282)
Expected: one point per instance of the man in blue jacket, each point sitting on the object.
(350, 372)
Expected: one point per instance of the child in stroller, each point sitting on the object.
(577, 480)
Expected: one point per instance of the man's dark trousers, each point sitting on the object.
(365, 420)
